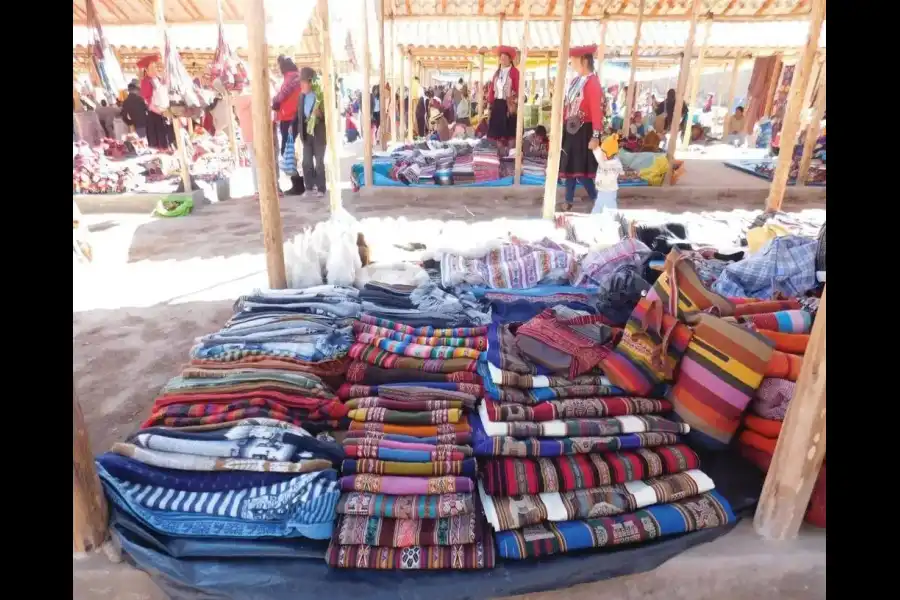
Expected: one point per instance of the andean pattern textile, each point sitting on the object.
(403, 533)
(437, 506)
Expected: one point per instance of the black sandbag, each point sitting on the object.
(300, 579)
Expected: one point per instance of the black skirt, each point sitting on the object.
(502, 125)
(160, 133)
(577, 160)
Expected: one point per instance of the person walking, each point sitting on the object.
(285, 105)
(312, 133)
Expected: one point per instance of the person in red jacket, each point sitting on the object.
(503, 90)
(285, 105)
(583, 120)
(160, 132)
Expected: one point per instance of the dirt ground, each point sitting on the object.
(158, 284)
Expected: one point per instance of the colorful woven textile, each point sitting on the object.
(417, 350)
(352, 530)
(539, 395)
(721, 370)
(361, 372)
(504, 354)
(351, 390)
(479, 555)
(302, 506)
(772, 398)
(566, 340)
(692, 296)
(464, 468)
(389, 360)
(180, 415)
(485, 445)
(765, 306)
(436, 454)
(597, 266)
(514, 512)
(516, 264)
(405, 486)
(767, 427)
(792, 343)
(196, 380)
(415, 394)
(357, 436)
(756, 440)
(785, 265)
(258, 359)
(579, 427)
(413, 430)
(508, 379)
(476, 342)
(691, 514)
(403, 417)
(404, 405)
(286, 399)
(194, 462)
(784, 366)
(517, 476)
(456, 332)
(438, 506)
(649, 352)
(364, 445)
(576, 408)
(785, 321)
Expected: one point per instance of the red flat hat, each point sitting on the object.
(582, 50)
(146, 61)
(507, 50)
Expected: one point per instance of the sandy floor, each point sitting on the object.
(157, 284)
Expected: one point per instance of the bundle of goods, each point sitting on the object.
(94, 173)
(486, 161)
(228, 455)
(409, 476)
(113, 148)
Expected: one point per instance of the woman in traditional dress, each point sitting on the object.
(502, 92)
(160, 132)
(583, 119)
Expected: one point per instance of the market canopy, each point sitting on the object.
(595, 9)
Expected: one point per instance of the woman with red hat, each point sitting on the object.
(502, 92)
(160, 133)
(583, 120)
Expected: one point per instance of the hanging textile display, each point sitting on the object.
(105, 62)
(780, 102)
(183, 92)
(227, 66)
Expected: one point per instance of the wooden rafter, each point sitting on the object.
(586, 10)
(114, 9)
(655, 10)
(551, 8)
(763, 8)
(480, 7)
(622, 7)
(191, 8)
(79, 11)
(230, 11)
(802, 7)
(730, 7)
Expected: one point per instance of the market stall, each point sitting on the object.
(290, 490)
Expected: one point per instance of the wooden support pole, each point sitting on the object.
(90, 514)
(264, 143)
(481, 87)
(800, 449)
(601, 53)
(683, 72)
(366, 105)
(732, 90)
(394, 78)
(500, 29)
(812, 131)
(818, 66)
(629, 97)
(232, 131)
(410, 102)
(382, 89)
(332, 164)
(400, 92)
(791, 125)
(696, 72)
(556, 129)
(532, 87)
(469, 79)
(520, 101)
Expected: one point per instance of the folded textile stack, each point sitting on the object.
(409, 476)
(244, 483)
(486, 163)
(534, 165)
(517, 264)
(273, 359)
(573, 460)
(763, 420)
(464, 168)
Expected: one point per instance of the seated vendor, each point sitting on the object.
(539, 143)
(735, 128)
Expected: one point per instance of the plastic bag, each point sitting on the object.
(174, 206)
(343, 257)
(288, 160)
(303, 263)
